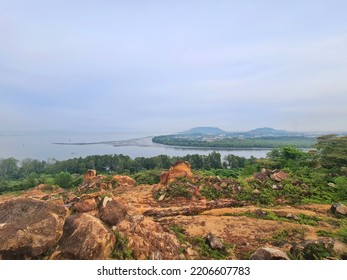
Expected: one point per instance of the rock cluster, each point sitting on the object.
(179, 169)
(44, 228)
(29, 227)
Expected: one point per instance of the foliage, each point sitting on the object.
(207, 252)
(121, 249)
(148, 176)
(177, 190)
(63, 179)
(211, 193)
(258, 142)
(179, 232)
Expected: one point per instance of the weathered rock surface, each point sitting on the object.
(90, 174)
(179, 169)
(214, 242)
(267, 253)
(339, 208)
(192, 209)
(148, 240)
(29, 227)
(85, 205)
(313, 249)
(124, 180)
(85, 238)
(279, 176)
(111, 211)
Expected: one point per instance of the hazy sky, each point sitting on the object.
(167, 66)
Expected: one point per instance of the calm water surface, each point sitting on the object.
(40, 145)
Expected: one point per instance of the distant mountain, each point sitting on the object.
(204, 130)
(268, 131)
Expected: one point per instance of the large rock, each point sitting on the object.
(339, 208)
(267, 253)
(214, 242)
(279, 176)
(125, 181)
(29, 227)
(111, 211)
(148, 240)
(90, 174)
(179, 169)
(85, 205)
(85, 238)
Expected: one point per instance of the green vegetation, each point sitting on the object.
(317, 176)
(121, 250)
(257, 142)
(206, 252)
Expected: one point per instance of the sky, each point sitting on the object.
(167, 66)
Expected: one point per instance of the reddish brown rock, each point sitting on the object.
(149, 240)
(85, 238)
(29, 227)
(85, 205)
(125, 180)
(179, 169)
(279, 176)
(90, 174)
(111, 211)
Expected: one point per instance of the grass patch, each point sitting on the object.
(176, 190)
(206, 252)
(179, 232)
(121, 250)
(281, 237)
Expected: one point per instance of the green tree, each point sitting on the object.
(63, 179)
(9, 168)
(332, 151)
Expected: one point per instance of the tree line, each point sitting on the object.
(328, 160)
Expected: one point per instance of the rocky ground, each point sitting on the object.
(113, 218)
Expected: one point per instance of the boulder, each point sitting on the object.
(85, 238)
(29, 227)
(340, 249)
(111, 211)
(260, 177)
(214, 242)
(85, 205)
(179, 169)
(89, 175)
(279, 176)
(292, 217)
(148, 240)
(267, 253)
(125, 180)
(313, 249)
(339, 208)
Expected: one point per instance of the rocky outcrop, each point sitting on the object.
(179, 169)
(86, 205)
(29, 227)
(125, 181)
(85, 238)
(111, 211)
(192, 209)
(148, 240)
(339, 208)
(267, 253)
(89, 175)
(313, 249)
